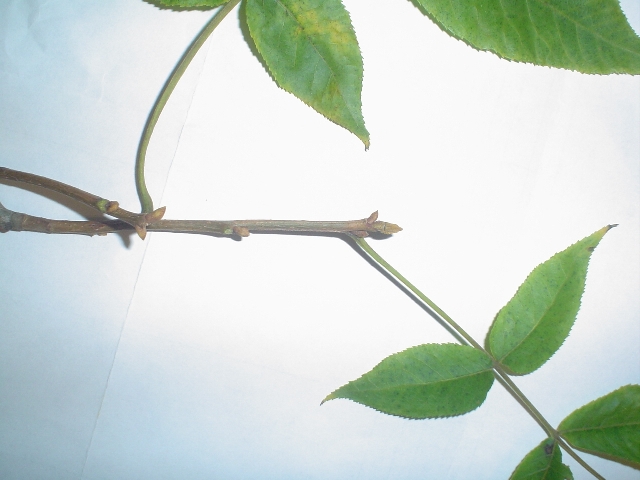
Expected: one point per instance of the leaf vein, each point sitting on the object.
(595, 33)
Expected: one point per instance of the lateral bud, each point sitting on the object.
(111, 207)
(141, 231)
(372, 218)
(241, 231)
(102, 205)
(155, 215)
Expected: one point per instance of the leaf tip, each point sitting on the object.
(331, 396)
(597, 236)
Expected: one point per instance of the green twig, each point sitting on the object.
(145, 199)
(499, 373)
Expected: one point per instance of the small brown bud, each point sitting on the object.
(372, 218)
(112, 207)
(155, 215)
(141, 231)
(241, 231)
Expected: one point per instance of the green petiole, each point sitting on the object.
(143, 194)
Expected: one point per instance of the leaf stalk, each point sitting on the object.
(143, 193)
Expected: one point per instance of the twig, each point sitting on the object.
(141, 222)
(22, 222)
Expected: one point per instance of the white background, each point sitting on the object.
(200, 357)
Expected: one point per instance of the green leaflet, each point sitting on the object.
(608, 427)
(534, 324)
(590, 36)
(311, 50)
(191, 3)
(543, 463)
(427, 381)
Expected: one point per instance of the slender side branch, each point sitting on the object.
(499, 373)
(138, 221)
(167, 90)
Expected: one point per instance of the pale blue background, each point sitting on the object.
(194, 357)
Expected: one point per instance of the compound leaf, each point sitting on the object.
(536, 321)
(311, 50)
(180, 4)
(543, 463)
(590, 36)
(608, 427)
(427, 381)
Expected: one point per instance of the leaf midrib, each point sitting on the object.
(546, 311)
(383, 389)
